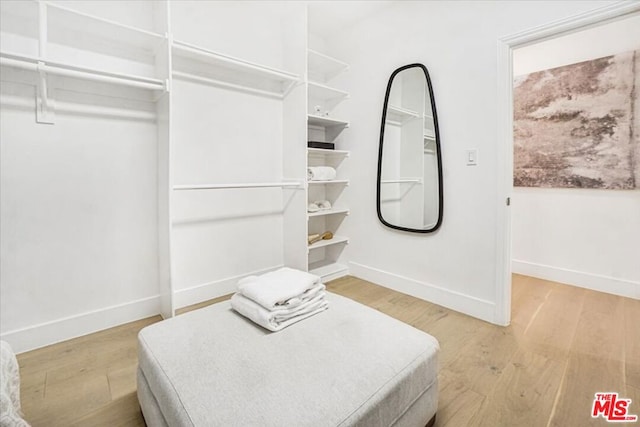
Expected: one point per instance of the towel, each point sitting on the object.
(276, 320)
(283, 288)
(321, 173)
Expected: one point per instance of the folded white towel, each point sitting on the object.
(285, 287)
(321, 173)
(276, 320)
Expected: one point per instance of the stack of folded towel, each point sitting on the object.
(321, 173)
(280, 298)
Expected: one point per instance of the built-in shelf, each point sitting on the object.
(328, 270)
(65, 19)
(314, 120)
(81, 72)
(336, 240)
(321, 152)
(323, 92)
(207, 66)
(328, 212)
(324, 66)
(333, 181)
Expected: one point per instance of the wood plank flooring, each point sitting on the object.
(563, 345)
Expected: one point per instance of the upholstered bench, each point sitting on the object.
(347, 366)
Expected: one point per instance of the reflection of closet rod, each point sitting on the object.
(46, 66)
(236, 185)
(402, 181)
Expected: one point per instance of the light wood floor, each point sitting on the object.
(563, 345)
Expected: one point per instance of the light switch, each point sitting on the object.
(472, 157)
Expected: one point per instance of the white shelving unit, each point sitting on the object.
(53, 40)
(322, 99)
(93, 53)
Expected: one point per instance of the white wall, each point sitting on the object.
(584, 237)
(457, 41)
(78, 208)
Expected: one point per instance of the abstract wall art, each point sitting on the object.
(578, 126)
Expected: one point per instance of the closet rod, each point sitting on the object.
(236, 185)
(220, 83)
(46, 66)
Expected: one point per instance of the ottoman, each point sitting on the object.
(347, 366)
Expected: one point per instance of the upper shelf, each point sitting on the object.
(326, 121)
(206, 66)
(323, 67)
(63, 22)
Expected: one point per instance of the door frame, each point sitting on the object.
(506, 45)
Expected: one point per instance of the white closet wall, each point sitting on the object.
(78, 198)
(153, 153)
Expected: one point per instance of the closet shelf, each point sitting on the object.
(231, 72)
(328, 212)
(66, 19)
(318, 91)
(324, 243)
(322, 64)
(321, 152)
(65, 69)
(334, 181)
(326, 121)
(237, 185)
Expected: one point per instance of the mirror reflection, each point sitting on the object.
(409, 190)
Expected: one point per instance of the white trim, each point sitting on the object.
(596, 282)
(66, 328)
(457, 301)
(210, 290)
(505, 138)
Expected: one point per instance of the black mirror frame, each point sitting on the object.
(438, 152)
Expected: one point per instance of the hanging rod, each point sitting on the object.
(236, 185)
(51, 67)
(220, 83)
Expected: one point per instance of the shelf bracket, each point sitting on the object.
(45, 112)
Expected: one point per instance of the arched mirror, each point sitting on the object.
(409, 192)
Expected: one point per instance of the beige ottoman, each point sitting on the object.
(347, 366)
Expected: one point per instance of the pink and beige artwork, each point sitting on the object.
(578, 126)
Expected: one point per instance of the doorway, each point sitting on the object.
(508, 48)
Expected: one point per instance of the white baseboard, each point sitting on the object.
(596, 282)
(55, 331)
(211, 290)
(466, 304)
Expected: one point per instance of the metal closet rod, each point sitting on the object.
(236, 185)
(35, 64)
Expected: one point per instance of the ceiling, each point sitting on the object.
(326, 18)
